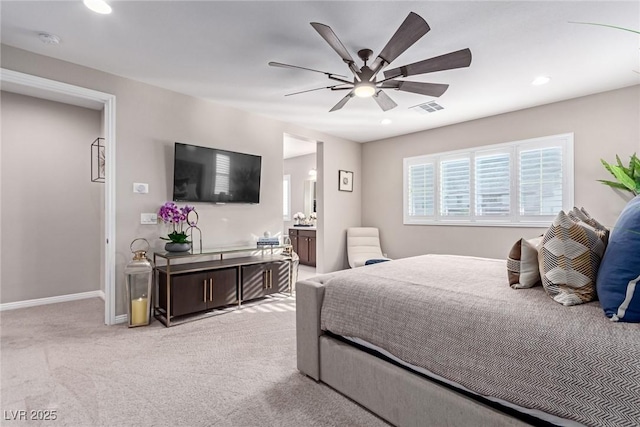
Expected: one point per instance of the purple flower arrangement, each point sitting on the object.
(171, 214)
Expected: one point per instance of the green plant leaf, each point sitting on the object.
(605, 25)
(636, 164)
(177, 237)
(626, 170)
(609, 183)
(628, 177)
(607, 166)
(624, 179)
(632, 164)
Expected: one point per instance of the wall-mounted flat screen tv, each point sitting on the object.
(202, 174)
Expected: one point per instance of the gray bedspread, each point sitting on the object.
(458, 318)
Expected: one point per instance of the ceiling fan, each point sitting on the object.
(365, 83)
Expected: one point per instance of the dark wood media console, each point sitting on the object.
(188, 288)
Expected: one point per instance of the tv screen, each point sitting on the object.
(202, 174)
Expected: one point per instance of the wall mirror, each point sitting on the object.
(309, 196)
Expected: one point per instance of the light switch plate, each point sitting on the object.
(140, 188)
(148, 218)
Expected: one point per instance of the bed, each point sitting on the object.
(443, 340)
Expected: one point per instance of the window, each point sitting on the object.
(522, 183)
(223, 166)
(286, 198)
(493, 184)
(421, 190)
(454, 187)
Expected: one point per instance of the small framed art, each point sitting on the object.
(345, 180)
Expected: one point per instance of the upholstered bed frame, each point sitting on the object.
(394, 393)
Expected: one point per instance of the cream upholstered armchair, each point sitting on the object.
(363, 244)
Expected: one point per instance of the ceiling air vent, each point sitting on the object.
(427, 107)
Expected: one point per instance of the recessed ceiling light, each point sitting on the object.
(541, 80)
(386, 122)
(98, 6)
(48, 38)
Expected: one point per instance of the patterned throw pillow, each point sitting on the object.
(619, 275)
(569, 259)
(582, 215)
(522, 264)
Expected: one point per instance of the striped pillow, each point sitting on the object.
(569, 259)
(582, 215)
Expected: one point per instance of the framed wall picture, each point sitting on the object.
(345, 180)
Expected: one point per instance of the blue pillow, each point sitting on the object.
(375, 261)
(618, 282)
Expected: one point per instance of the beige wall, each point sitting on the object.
(298, 168)
(149, 120)
(51, 211)
(338, 210)
(604, 125)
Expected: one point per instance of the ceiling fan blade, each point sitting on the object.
(281, 65)
(318, 88)
(327, 33)
(384, 101)
(449, 61)
(342, 102)
(430, 89)
(407, 34)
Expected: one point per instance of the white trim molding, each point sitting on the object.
(51, 300)
(109, 121)
(123, 318)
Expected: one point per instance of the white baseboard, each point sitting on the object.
(51, 300)
(123, 318)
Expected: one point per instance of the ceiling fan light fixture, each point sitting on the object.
(364, 90)
(98, 6)
(365, 83)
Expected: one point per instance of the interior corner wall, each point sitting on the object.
(51, 211)
(148, 122)
(337, 210)
(298, 168)
(603, 124)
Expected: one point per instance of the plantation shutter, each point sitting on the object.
(421, 190)
(455, 187)
(493, 184)
(541, 188)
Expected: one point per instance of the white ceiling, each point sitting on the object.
(220, 50)
(294, 146)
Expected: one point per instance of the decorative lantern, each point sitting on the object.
(139, 278)
(98, 160)
(288, 248)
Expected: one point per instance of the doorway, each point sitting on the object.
(301, 201)
(37, 87)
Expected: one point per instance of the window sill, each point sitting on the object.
(542, 224)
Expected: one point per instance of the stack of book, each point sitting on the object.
(268, 241)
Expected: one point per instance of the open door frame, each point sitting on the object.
(51, 89)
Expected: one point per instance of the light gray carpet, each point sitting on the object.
(235, 369)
